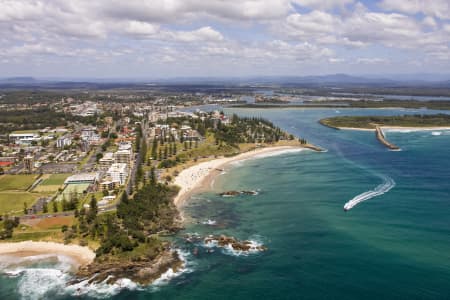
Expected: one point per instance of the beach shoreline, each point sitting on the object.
(393, 128)
(199, 177)
(81, 255)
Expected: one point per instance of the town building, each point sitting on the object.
(83, 178)
(23, 138)
(106, 161)
(29, 163)
(118, 172)
(63, 141)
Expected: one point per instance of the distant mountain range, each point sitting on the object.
(440, 80)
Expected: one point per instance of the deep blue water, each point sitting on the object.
(394, 246)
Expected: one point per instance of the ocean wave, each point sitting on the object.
(255, 243)
(254, 249)
(209, 222)
(279, 152)
(383, 188)
(268, 154)
(41, 283)
(101, 290)
(53, 281)
(436, 133)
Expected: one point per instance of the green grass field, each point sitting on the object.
(55, 179)
(12, 202)
(16, 182)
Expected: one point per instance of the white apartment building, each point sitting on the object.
(118, 173)
(106, 161)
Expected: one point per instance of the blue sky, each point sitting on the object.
(172, 38)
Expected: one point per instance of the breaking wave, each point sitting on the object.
(47, 277)
(385, 187)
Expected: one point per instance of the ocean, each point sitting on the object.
(394, 243)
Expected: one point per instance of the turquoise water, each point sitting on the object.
(393, 246)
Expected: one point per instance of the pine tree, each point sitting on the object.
(153, 176)
(166, 152)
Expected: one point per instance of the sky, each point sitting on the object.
(222, 38)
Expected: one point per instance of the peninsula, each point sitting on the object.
(144, 172)
(378, 123)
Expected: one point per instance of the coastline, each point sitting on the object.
(82, 255)
(199, 177)
(393, 128)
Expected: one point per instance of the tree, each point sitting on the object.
(166, 152)
(124, 198)
(45, 207)
(55, 206)
(25, 208)
(64, 204)
(152, 176)
(93, 210)
(154, 148)
(98, 156)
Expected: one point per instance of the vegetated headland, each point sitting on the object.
(378, 123)
(371, 122)
(129, 236)
(413, 104)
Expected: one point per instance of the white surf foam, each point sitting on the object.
(436, 133)
(209, 222)
(385, 187)
(41, 282)
(255, 244)
(279, 152)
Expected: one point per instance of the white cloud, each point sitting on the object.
(324, 4)
(430, 22)
(435, 8)
(371, 60)
(204, 34)
(138, 28)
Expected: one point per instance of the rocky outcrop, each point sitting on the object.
(237, 193)
(143, 271)
(236, 245)
(380, 136)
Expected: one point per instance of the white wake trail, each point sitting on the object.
(385, 187)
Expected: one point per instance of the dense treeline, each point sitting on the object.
(240, 129)
(404, 120)
(39, 118)
(248, 130)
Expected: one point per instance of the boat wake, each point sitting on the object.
(383, 188)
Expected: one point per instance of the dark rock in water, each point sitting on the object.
(236, 193)
(230, 194)
(143, 271)
(252, 193)
(225, 241)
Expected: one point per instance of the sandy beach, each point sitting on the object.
(393, 128)
(199, 177)
(82, 255)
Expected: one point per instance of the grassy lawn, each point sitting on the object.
(25, 131)
(16, 182)
(12, 202)
(55, 179)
